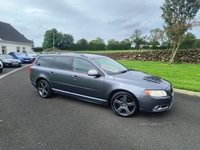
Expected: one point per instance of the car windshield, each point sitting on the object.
(109, 65)
(6, 57)
(20, 54)
(30, 52)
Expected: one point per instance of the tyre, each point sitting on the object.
(44, 89)
(124, 104)
(1, 69)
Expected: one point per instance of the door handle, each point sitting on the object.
(51, 73)
(75, 77)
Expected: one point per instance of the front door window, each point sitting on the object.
(82, 65)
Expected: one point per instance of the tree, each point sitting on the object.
(125, 44)
(54, 39)
(100, 40)
(49, 38)
(116, 45)
(156, 35)
(97, 44)
(113, 44)
(126, 41)
(145, 40)
(82, 44)
(66, 42)
(178, 17)
(136, 38)
(197, 43)
(188, 41)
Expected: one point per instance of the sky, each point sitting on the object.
(88, 19)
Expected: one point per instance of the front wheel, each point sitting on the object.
(124, 104)
(44, 89)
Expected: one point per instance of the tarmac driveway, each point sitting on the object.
(28, 122)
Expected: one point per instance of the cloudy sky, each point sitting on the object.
(89, 19)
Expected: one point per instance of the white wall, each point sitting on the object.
(12, 47)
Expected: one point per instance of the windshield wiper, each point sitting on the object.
(124, 71)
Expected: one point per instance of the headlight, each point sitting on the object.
(156, 93)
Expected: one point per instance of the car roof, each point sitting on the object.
(5, 55)
(84, 55)
(15, 52)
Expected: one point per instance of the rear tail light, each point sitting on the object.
(30, 68)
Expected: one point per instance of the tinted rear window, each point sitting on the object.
(62, 62)
(44, 61)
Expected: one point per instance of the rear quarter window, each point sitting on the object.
(44, 61)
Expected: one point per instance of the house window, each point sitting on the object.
(23, 49)
(4, 50)
(18, 49)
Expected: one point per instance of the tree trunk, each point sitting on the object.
(174, 51)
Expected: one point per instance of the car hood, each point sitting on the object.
(142, 79)
(11, 60)
(24, 57)
(32, 55)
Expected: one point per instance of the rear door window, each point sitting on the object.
(45, 61)
(62, 62)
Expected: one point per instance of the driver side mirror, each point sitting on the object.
(93, 72)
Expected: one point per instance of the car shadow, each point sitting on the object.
(140, 114)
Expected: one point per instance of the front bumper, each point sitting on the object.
(26, 61)
(157, 104)
(6, 64)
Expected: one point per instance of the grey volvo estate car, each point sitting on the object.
(102, 80)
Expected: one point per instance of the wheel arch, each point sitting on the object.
(48, 88)
(120, 90)
(42, 78)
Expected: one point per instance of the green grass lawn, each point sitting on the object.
(182, 76)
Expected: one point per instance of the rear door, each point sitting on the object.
(59, 74)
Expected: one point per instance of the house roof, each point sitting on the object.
(8, 33)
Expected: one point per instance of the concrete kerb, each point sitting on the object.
(191, 93)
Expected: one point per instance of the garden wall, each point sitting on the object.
(182, 56)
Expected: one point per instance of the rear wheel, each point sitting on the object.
(124, 104)
(44, 89)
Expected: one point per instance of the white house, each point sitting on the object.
(12, 41)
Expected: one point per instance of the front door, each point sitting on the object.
(83, 84)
